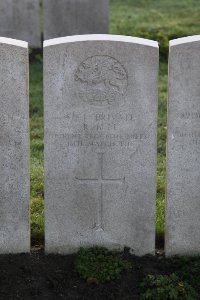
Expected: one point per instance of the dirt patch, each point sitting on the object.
(39, 276)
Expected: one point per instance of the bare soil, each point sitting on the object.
(39, 276)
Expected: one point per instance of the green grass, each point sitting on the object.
(155, 19)
(159, 20)
(37, 146)
(161, 157)
(169, 16)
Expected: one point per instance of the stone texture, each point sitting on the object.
(14, 154)
(183, 156)
(70, 17)
(100, 142)
(20, 19)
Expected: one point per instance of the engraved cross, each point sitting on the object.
(101, 180)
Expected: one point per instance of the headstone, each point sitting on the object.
(70, 17)
(14, 154)
(100, 142)
(21, 20)
(183, 158)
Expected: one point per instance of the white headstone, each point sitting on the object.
(70, 17)
(20, 19)
(100, 142)
(183, 151)
(14, 154)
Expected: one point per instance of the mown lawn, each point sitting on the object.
(37, 146)
(160, 20)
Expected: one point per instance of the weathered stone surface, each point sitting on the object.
(70, 17)
(183, 156)
(21, 20)
(14, 154)
(100, 142)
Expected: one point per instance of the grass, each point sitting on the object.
(169, 16)
(160, 20)
(37, 147)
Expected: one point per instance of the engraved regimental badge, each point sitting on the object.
(101, 80)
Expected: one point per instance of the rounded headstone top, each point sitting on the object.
(13, 42)
(184, 40)
(100, 37)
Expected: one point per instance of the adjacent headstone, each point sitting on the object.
(14, 154)
(70, 17)
(100, 142)
(183, 155)
(21, 20)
